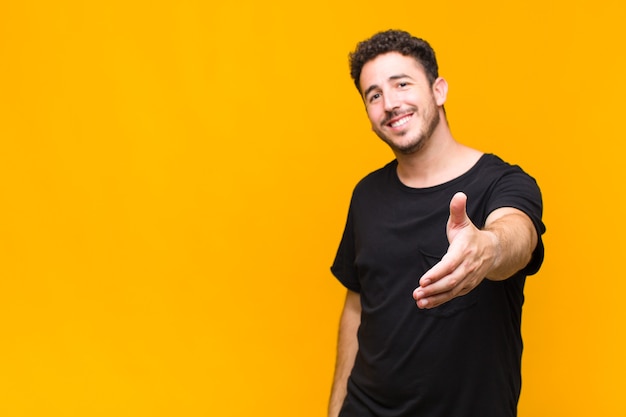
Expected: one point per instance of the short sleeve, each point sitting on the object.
(344, 267)
(519, 190)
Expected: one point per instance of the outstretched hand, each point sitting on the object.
(470, 256)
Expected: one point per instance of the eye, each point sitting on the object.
(374, 97)
(403, 84)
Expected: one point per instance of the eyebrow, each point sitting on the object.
(392, 78)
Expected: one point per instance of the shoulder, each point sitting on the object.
(494, 166)
(511, 186)
(378, 177)
(491, 161)
(374, 186)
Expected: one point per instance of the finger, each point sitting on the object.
(452, 282)
(434, 300)
(451, 261)
(435, 274)
(444, 290)
(458, 211)
(438, 299)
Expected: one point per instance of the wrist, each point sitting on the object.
(494, 254)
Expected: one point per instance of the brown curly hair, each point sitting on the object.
(393, 41)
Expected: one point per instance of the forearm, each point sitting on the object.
(347, 346)
(514, 237)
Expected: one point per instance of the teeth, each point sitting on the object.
(401, 122)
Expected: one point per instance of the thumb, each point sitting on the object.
(458, 215)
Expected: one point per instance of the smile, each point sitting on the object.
(401, 121)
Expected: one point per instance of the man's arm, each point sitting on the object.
(347, 346)
(503, 247)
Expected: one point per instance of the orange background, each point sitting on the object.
(175, 178)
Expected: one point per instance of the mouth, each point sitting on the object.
(400, 121)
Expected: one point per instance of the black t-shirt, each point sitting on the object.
(458, 359)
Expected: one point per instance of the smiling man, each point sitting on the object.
(434, 255)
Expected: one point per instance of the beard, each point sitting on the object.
(430, 120)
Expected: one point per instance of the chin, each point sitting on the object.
(407, 147)
(410, 149)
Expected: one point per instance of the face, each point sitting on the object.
(402, 106)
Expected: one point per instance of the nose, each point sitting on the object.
(390, 101)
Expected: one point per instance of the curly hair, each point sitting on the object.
(393, 41)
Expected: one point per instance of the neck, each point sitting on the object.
(440, 160)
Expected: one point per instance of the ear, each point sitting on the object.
(440, 91)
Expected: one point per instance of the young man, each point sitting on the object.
(434, 255)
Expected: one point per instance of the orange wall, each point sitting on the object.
(174, 179)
